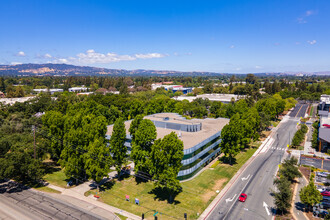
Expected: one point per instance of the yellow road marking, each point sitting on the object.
(299, 110)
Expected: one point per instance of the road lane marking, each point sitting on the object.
(245, 178)
(235, 194)
(266, 207)
(230, 200)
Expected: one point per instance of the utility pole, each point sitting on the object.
(34, 141)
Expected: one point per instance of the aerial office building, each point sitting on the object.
(201, 138)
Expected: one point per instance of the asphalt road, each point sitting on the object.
(18, 203)
(299, 110)
(257, 182)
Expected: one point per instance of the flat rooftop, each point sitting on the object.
(210, 127)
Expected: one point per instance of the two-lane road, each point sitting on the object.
(256, 181)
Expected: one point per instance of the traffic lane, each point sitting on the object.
(222, 207)
(41, 206)
(295, 110)
(259, 192)
(302, 111)
(262, 182)
(233, 192)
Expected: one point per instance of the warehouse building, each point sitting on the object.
(201, 138)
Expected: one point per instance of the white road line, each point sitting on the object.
(230, 200)
(245, 178)
(266, 207)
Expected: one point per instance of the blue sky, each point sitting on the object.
(235, 36)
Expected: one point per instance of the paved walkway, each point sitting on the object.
(297, 208)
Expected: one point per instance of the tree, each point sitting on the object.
(283, 195)
(117, 141)
(289, 169)
(309, 195)
(142, 145)
(251, 79)
(97, 160)
(231, 137)
(165, 159)
(134, 125)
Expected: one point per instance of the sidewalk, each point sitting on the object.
(297, 206)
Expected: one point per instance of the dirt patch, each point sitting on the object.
(310, 216)
(217, 186)
(284, 217)
(306, 171)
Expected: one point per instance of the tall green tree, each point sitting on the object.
(117, 144)
(283, 195)
(97, 160)
(165, 158)
(309, 195)
(142, 145)
(231, 138)
(289, 169)
(134, 125)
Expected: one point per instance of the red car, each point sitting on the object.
(242, 197)
(325, 193)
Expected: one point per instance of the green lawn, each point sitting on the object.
(311, 112)
(121, 216)
(57, 178)
(275, 123)
(195, 197)
(47, 189)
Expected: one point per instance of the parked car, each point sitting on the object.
(242, 197)
(325, 193)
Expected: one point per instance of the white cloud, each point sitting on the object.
(311, 42)
(20, 54)
(232, 46)
(15, 63)
(91, 57)
(47, 55)
(238, 69)
(258, 67)
(302, 19)
(309, 13)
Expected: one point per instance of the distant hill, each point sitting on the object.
(65, 69)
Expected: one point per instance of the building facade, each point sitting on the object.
(200, 137)
(324, 129)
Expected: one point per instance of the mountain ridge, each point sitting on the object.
(67, 69)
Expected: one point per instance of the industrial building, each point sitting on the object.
(201, 138)
(324, 129)
(224, 98)
(52, 91)
(174, 88)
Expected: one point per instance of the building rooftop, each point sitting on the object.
(209, 127)
(212, 97)
(325, 98)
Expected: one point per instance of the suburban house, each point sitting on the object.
(201, 138)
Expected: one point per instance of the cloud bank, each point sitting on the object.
(93, 57)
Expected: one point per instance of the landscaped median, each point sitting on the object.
(197, 193)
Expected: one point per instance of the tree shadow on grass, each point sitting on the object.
(107, 185)
(226, 160)
(163, 195)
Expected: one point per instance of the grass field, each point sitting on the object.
(197, 194)
(57, 178)
(311, 111)
(47, 189)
